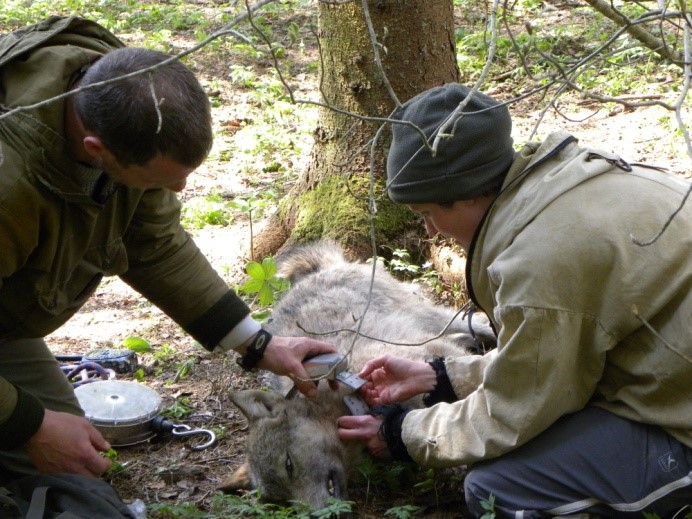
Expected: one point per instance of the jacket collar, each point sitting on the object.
(39, 133)
(540, 173)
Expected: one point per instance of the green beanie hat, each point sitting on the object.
(471, 162)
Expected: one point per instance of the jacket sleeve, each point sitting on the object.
(167, 267)
(466, 373)
(546, 367)
(21, 415)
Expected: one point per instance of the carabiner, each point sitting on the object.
(159, 423)
(182, 430)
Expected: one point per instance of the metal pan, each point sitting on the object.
(127, 413)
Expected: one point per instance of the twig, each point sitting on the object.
(452, 119)
(359, 334)
(654, 43)
(272, 51)
(683, 356)
(221, 32)
(157, 103)
(376, 52)
(686, 135)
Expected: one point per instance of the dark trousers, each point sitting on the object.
(589, 462)
(29, 364)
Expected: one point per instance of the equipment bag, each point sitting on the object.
(61, 496)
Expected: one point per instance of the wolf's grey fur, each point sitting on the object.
(294, 453)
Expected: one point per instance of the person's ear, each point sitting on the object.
(94, 146)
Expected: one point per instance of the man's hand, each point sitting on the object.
(68, 443)
(392, 380)
(285, 356)
(366, 429)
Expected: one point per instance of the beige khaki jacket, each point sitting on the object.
(555, 267)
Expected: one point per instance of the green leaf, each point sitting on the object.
(136, 344)
(266, 295)
(252, 286)
(269, 266)
(278, 284)
(255, 270)
(489, 507)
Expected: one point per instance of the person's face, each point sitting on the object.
(458, 221)
(159, 172)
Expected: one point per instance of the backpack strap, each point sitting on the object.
(38, 503)
(38, 506)
(61, 496)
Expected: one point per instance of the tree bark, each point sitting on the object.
(417, 50)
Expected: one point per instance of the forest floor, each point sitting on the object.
(165, 469)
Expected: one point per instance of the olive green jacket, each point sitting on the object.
(64, 226)
(555, 267)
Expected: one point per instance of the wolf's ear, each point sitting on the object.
(255, 404)
(238, 481)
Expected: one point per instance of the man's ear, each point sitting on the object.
(94, 146)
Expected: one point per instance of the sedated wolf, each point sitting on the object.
(293, 451)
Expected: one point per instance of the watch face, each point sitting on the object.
(260, 341)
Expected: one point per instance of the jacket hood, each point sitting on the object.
(38, 133)
(563, 166)
(541, 172)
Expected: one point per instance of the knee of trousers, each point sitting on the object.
(478, 487)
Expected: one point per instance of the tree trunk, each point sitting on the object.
(417, 51)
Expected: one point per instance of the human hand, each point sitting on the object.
(392, 380)
(285, 356)
(364, 428)
(68, 443)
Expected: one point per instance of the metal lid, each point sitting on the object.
(118, 402)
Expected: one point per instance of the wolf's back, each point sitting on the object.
(301, 261)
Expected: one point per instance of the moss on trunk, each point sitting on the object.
(416, 46)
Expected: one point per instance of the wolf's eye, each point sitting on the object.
(289, 466)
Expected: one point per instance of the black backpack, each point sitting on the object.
(61, 496)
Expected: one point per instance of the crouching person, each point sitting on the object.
(586, 404)
(88, 189)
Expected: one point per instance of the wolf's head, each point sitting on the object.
(294, 454)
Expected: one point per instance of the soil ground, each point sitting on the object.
(164, 469)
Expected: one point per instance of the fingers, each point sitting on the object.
(372, 365)
(372, 397)
(355, 427)
(309, 389)
(302, 381)
(364, 428)
(68, 443)
(316, 347)
(94, 466)
(98, 441)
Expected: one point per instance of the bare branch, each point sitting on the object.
(681, 124)
(357, 333)
(668, 346)
(450, 121)
(227, 29)
(376, 52)
(157, 103)
(652, 42)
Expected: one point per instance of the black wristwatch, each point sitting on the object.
(255, 351)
